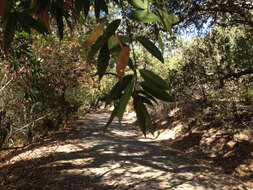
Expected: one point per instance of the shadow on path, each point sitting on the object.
(122, 159)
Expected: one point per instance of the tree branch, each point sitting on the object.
(235, 75)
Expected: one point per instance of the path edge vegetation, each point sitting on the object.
(115, 38)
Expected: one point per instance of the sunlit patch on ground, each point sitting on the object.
(121, 160)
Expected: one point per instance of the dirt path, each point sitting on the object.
(122, 160)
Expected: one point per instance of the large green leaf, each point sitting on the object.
(167, 19)
(121, 106)
(124, 100)
(116, 91)
(103, 60)
(143, 16)
(113, 115)
(143, 116)
(160, 42)
(151, 47)
(138, 105)
(156, 92)
(146, 100)
(147, 95)
(148, 120)
(139, 4)
(114, 47)
(111, 28)
(153, 78)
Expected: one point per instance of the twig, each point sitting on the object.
(12, 78)
(28, 124)
(13, 148)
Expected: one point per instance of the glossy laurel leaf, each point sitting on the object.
(150, 46)
(124, 100)
(103, 60)
(139, 114)
(143, 116)
(156, 92)
(139, 4)
(122, 62)
(151, 77)
(117, 89)
(160, 43)
(148, 120)
(121, 106)
(109, 31)
(147, 95)
(145, 100)
(114, 47)
(143, 16)
(113, 115)
(167, 19)
(94, 34)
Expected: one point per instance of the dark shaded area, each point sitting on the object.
(228, 159)
(242, 152)
(187, 142)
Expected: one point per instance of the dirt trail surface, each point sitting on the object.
(122, 159)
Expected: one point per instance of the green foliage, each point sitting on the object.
(143, 16)
(210, 62)
(116, 92)
(44, 88)
(140, 4)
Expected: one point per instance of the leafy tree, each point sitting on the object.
(223, 12)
